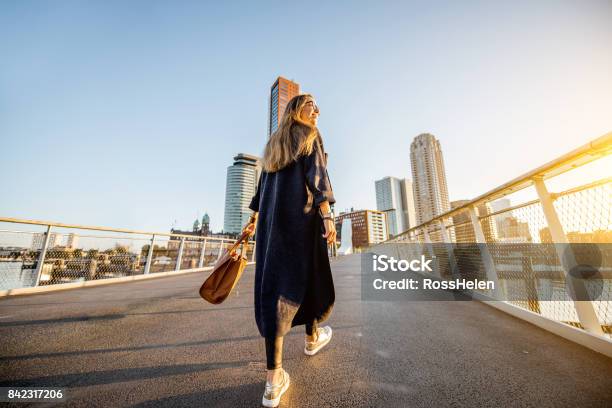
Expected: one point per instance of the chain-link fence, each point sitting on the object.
(36, 253)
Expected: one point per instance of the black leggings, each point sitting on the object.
(274, 348)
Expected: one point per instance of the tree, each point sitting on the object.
(121, 249)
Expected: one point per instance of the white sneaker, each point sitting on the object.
(273, 393)
(324, 335)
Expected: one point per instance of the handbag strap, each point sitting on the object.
(241, 240)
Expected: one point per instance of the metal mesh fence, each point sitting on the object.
(527, 271)
(18, 259)
(165, 255)
(586, 213)
(76, 255)
(522, 250)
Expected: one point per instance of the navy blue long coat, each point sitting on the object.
(293, 280)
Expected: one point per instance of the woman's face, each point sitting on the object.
(310, 112)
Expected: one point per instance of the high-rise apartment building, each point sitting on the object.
(241, 186)
(368, 227)
(395, 198)
(280, 93)
(429, 178)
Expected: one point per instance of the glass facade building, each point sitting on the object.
(394, 197)
(280, 93)
(241, 186)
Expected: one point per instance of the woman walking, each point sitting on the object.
(293, 281)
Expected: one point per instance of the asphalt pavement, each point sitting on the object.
(156, 343)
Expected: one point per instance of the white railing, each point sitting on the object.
(35, 253)
(579, 215)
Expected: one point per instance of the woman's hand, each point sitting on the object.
(330, 231)
(250, 228)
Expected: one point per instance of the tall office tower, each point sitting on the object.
(429, 178)
(389, 201)
(240, 187)
(281, 92)
(394, 197)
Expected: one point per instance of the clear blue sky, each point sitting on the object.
(127, 114)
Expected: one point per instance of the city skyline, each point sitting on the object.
(119, 92)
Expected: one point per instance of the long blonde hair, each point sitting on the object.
(293, 138)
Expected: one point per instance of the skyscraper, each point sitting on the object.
(394, 197)
(429, 178)
(241, 186)
(280, 93)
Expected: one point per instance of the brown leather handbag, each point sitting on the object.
(226, 273)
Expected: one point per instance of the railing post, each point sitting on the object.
(179, 258)
(426, 237)
(451, 251)
(43, 254)
(584, 308)
(202, 255)
(220, 249)
(487, 259)
(429, 246)
(147, 269)
(533, 301)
